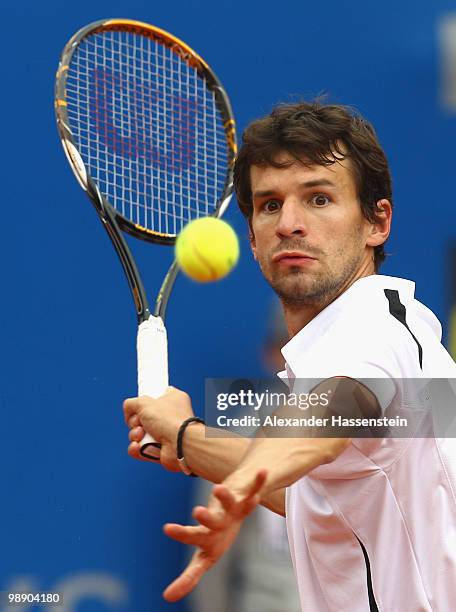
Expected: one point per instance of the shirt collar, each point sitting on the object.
(369, 285)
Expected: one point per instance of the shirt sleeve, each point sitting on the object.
(370, 360)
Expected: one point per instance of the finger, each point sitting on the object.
(186, 534)
(208, 518)
(168, 458)
(134, 421)
(130, 407)
(250, 504)
(226, 497)
(136, 434)
(245, 505)
(134, 451)
(188, 580)
(240, 508)
(257, 483)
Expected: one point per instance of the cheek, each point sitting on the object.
(353, 241)
(340, 238)
(347, 227)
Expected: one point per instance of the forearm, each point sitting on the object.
(288, 453)
(214, 457)
(211, 456)
(287, 460)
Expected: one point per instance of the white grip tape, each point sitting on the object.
(152, 348)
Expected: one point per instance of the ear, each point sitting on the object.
(252, 240)
(380, 229)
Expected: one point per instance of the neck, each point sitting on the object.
(297, 317)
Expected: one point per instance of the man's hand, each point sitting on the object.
(161, 418)
(219, 525)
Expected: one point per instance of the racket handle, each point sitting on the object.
(152, 348)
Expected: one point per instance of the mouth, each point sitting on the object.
(292, 258)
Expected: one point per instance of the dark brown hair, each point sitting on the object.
(317, 133)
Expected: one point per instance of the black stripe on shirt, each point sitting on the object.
(398, 310)
(372, 603)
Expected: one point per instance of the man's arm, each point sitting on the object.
(269, 464)
(287, 452)
(251, 472)
(225, 457)
(213, 457)
(286, 459)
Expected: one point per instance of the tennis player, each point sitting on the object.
(371, 521)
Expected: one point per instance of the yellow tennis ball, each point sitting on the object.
(207, 249)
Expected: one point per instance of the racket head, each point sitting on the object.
(147, 127)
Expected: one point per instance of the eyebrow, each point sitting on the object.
(307, 185)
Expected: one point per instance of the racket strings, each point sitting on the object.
(148, 129)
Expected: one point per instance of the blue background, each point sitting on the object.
(76, 512)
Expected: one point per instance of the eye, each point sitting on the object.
(320, 199)
(271, 206)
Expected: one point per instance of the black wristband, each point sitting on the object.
(180, 438)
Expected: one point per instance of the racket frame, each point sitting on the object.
(188, 55)
(112, 220)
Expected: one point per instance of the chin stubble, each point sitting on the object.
(321, 290)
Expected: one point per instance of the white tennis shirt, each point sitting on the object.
(395, 496)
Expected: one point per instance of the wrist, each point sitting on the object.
(239, 481)
(188, 423)
(170, 427)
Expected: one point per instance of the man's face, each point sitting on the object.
(309, 234)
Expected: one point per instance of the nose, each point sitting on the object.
(291, 220)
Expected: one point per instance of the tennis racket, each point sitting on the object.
(149, 133)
